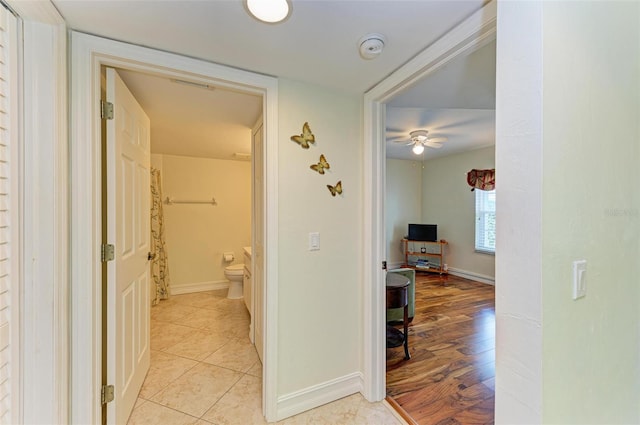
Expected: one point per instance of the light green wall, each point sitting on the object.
(436, 192)
(591, 211)
(448, 201)
(320, 292)
(403, 204)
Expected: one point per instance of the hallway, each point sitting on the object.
(204, 370)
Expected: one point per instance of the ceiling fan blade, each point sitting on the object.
(436, 139)
(403, 141)
(395, 134)
(433, 145)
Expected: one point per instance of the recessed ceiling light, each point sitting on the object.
(270, 11)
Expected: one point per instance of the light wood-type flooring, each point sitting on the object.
(449, 379)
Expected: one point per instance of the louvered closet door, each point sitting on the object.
(8, 221)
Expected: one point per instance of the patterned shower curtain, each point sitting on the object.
(160, 261)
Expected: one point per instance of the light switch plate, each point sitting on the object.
(314, 241)
(579, 279)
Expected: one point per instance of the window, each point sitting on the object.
(486, 221)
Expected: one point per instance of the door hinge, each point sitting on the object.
(107, 252)
(384, 265)
(106, 110)
(107, 394)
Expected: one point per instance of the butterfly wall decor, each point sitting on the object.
(320, 166)
(337, 189)
(305, 138)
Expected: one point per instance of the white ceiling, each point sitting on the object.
(195, 121)
(457, 101)
(317, 44)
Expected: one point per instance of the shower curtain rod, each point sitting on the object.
(170, 201)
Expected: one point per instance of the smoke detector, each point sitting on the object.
(371, 45)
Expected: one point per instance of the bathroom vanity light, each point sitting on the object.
(270, 11)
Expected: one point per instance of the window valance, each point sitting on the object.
(482, 179)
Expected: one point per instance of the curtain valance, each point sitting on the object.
(482, 179)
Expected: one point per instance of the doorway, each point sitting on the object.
(88, 55)
(451, 302)
(199, 142)
(473, 33)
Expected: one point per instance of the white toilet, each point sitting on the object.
(234, 274)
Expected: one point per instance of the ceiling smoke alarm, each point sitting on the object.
(371, 45)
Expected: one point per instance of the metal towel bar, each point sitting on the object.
(170, 201)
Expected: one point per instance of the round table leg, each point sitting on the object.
(406, 333)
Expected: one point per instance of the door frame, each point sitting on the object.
(41, 275)
(476, 31)
(88, 55)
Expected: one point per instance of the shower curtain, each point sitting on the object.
(160, 261)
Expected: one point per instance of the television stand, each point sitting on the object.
(425, 256)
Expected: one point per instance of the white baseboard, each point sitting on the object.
(188, 288)
(472, 276)
(456, 272)
(317, 395)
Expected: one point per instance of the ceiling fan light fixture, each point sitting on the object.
(270, 11)
(419, 140)
(419, 136)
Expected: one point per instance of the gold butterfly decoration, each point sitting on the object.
(337, 189)
(305, 138)
(320, 166)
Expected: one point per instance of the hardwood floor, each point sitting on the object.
(449, 379)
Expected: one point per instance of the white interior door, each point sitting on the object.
(257, 261)
(128, 197)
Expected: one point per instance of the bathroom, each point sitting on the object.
(201, 144)
(207, 220)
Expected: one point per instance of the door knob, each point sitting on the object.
(150, 256)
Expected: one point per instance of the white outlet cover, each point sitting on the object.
(579, 279)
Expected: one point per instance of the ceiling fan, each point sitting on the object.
(420, 138)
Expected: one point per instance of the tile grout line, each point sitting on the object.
(199, 362)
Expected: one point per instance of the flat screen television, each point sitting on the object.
(423, 232)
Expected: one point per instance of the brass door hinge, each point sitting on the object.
(106, 110)
(107, 252)
(107, 394)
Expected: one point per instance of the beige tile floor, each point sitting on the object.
(204, 370)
